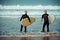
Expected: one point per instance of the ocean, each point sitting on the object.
(10, 21)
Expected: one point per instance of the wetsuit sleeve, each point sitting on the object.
(48, 14)
(42, 16)
(29, 19)
(21, 18)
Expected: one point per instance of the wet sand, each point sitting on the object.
(30, 38)
(49, 36)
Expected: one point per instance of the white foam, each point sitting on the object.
(29, 7)
(31, 35)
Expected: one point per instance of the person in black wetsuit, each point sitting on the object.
(24, 16)
(46, 21)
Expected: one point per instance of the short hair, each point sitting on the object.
(45, 10)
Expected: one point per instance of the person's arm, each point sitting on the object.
(28, 18)
(48, 14)
(20, 18)
(41, 18)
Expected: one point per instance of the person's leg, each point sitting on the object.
(21, 28)
(43, 29)
(25, 29)
(47, 27)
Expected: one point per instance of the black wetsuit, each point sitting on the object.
(24, 16)
(46, 22)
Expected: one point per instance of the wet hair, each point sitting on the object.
(45, 10)
(25, 11)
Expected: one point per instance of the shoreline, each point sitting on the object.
(32, 35)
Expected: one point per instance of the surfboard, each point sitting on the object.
(50, 17)
(25, 22)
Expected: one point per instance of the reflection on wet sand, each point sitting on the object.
(46, 38)
(25, 38)
(28, 38)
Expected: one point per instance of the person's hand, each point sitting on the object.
(41, 19)
(30, 22)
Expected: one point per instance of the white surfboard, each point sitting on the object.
(50, 17)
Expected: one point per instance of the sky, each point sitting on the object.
(30, 4)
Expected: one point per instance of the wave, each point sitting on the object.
(29, 16)
(41, 7)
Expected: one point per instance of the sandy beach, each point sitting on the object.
(30, 38)
(47, 36)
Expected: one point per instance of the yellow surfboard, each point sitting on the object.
(25, 22)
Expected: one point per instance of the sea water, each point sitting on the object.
(10, 21)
